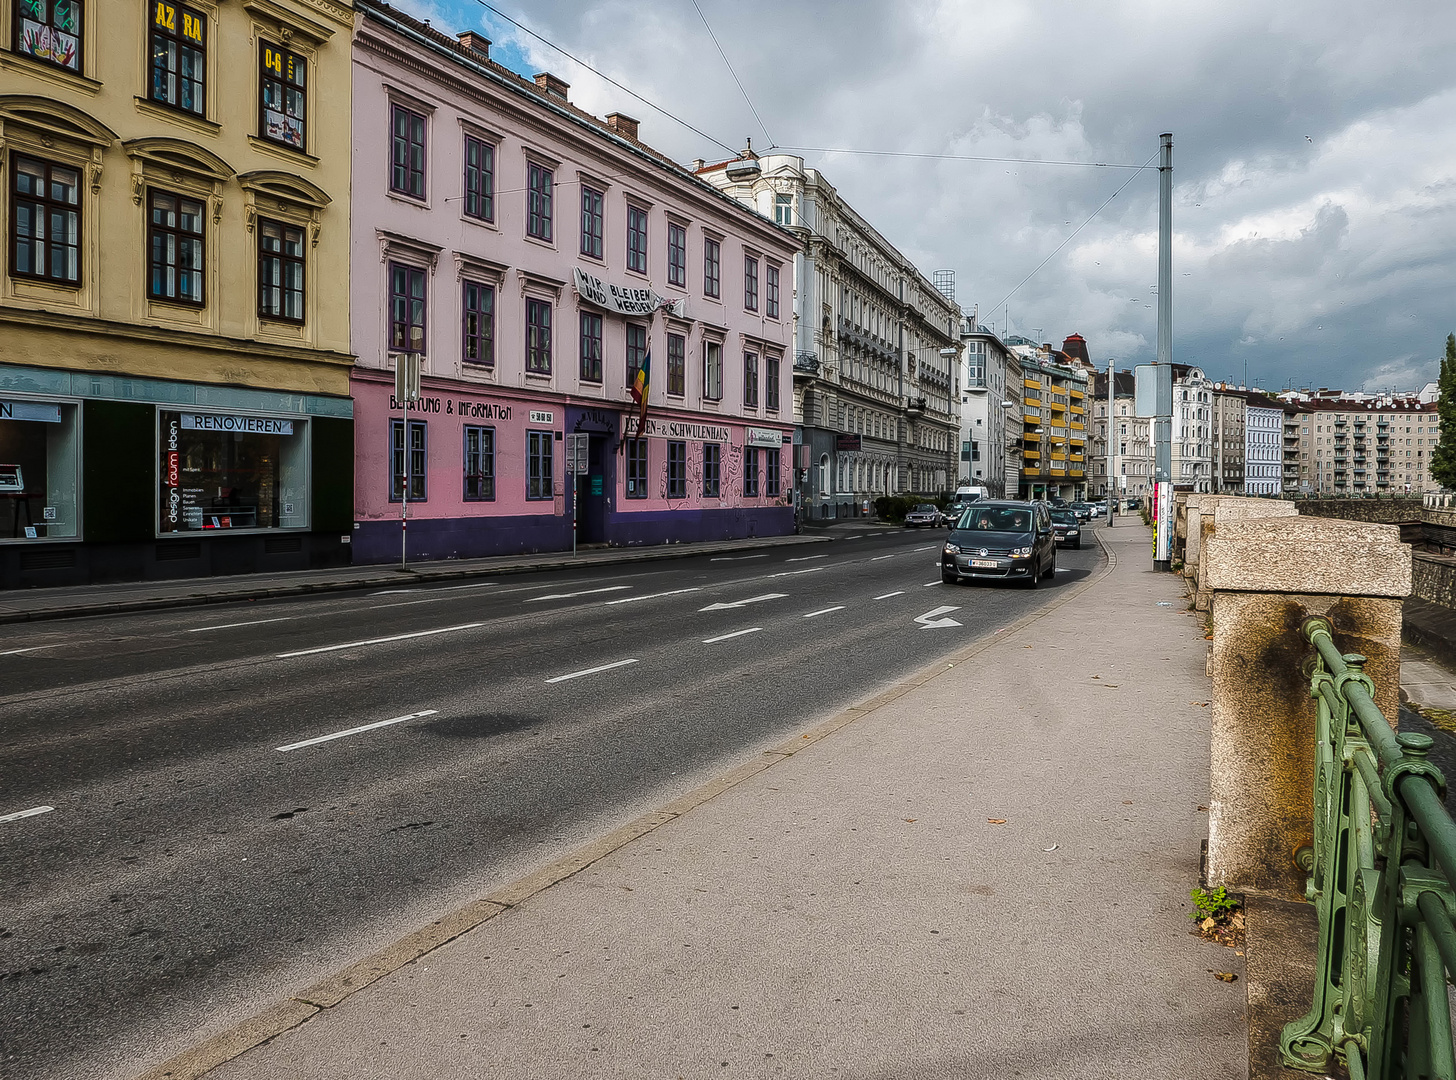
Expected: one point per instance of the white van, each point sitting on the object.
(970, 493)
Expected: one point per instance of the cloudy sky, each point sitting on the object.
(1314, 153)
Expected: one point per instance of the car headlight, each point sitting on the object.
(1021, 551)
(952, 549)
(1074, 532)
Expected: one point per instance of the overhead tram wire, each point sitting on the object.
(961, 157)
(607, 78)
(729, 64)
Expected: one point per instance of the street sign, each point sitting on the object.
(1153, 390)
(407, 376)
(578, 453)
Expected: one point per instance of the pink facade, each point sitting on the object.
(520, 245)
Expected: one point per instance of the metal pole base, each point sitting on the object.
(1163, 564)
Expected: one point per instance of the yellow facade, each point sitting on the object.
(84, 107)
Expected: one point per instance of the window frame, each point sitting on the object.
(772, 466)
(712, 268)
(636, 471)
(636, 239)
(712, 370)
(178, 235)
(538, 352)
(283, 260)
(634, 354)
(411, 273)
(712, 470)
(771, 290)
(402, 453)
(540, 210)
(589, 367)
(79, 67)
(293, 62)
(482, 191)
(750, 282)
(772, 377)
(750, 379)
(677, 364)
(677, 469)
(410, 173)
(750, 472)
(593, 222)
(179, 42)
(485, 456)
(483, 339)
(47, 206)
(539, 481)
(677, 254)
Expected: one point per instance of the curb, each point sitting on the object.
(293, 1012)
(396, 577)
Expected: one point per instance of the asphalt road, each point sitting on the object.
(246, 798)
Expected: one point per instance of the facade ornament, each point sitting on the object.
(216, 203)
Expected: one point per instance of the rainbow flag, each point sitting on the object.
(641, 383)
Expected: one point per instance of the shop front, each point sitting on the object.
(110, 478)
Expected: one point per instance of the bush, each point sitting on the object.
(893, 508)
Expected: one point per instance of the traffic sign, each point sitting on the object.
(578, 453)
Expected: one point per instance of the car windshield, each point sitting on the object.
(997, 519)
(924, 508)
(1064, 517)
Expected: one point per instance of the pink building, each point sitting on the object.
(536, 255)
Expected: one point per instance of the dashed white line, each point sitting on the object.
(736, 633)
(877, 558)
(591, 671)
(356, 730)
(886, 596)
(235, 625)
(378, 640)
(650, 596)
(928, 584)
(824, 611)
(569, 595)
(33, 648)
(34, 811)
(791, 573)
(736, 558)
(806, 558)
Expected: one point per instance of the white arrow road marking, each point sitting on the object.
(569, 595)
(649, 596)
(806, 558)
(886, 596)
(356, 730)
(736, 558)
(234, 625)
(931, 619)
(34, 811)
(791, 573)
(591, 671)
(379, 640)
(824, 611)
(736, 633)
(744, 603)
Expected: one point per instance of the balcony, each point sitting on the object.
(806, 363)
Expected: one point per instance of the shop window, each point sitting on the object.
(713, 370)
(637, 239)
(175, 235)
(39, 467)
(539, 185)
(636, 468)
(750, 471)
(280, 271)
(232, 472)
(677, 469)
(407, 152)
(677, 255)
(538, 336)
(45, 221)
(414, 457)
(49, 30)
(591, 347)
(283, 99)
(712, 267)
(591, 223)
(677, 348)
(539, 450)
(479, 179)
(636, 351)
(771, 365)
(478, 329)
(750, 380)
(179, 57)
(479, 463)
(712, 469)
(406, 308)
(771, 473)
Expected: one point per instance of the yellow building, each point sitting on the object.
(1054, 424)
(174, 300)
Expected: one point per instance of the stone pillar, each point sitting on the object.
(1267, 576)
(1226, 508)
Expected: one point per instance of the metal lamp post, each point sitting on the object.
(406, 392)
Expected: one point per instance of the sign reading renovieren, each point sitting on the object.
(251, 425)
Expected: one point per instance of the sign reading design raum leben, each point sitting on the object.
(249, 425)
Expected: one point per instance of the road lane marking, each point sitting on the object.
(32, 648)
(379, 640)
(806, 570)
(744, 603)
(929, 547)
(736, 633)
(806, 558)
(34, 811)
(650, 596)
(235, 625)
(824, 611)
(356, 730)
(736, 558)
(877, 558)
(392, 592)
(569, 595)
(849, 537)
(591, 671)
(933, 618)
(886, 596)
(928, 584)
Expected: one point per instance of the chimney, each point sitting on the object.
(699, 165)
(551, 86)
(622, 124)
(473, 42)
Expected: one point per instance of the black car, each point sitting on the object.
(1067, 527)
(1001, 540)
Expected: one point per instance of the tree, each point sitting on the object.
(1443, 457)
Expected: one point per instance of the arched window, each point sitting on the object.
(824, 477)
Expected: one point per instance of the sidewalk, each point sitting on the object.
(63, 602)
(982, 872)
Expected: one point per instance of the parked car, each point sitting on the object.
(1067, 528)
(923, 516)
(1001, 539)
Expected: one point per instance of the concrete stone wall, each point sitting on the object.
(1380, 511)
(1433, 578)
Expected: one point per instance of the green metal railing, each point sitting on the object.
(1380, 869)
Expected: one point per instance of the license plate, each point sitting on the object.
(984, 564)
